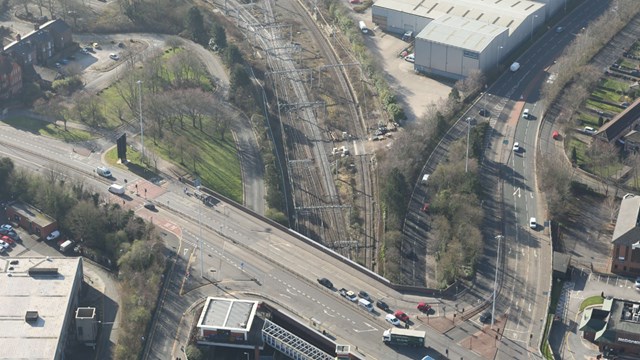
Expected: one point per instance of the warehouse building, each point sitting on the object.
(456, 37)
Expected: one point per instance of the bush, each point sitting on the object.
(68, 85)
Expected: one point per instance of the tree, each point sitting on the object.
(239, 77)
(195, 26)
(232, 55)
(574, 155)
(6, 170)
(219, 36)
(394, 196)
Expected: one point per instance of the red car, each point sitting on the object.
(425, 208)
(555, 135)
(8, 240)
(401, 316)
(424, 307)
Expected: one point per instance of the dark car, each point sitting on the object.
(326, 283)
(343, 292)
(483, 112)
(9, 233)
(485, 317)
(382, 305)
(363, 295)
(149, 205)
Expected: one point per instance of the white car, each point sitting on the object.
(114, 56)
(351, 296)
(410, 58)
(54, 235)
(516, 147)
(6, 227)
(4, 245)
(533, 223)
(391, 319)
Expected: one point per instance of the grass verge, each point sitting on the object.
(48, 129)
(135, 164)
(593, 300)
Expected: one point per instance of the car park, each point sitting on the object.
(382, 305)
(516, 147)
(533, 223)
(54, 235)
(402, 316)
(8, 240)
(351, 296)
(4, 244)
(485, 317)
(363, 295)
(391, 319)
(326, 283)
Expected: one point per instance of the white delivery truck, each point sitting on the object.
(363, 27)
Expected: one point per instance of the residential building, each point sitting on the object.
(623, 123)
(625, 255)
(10, 77)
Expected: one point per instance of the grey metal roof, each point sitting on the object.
(460, 32)
(232, 314)
(627, 231)
(506, 13)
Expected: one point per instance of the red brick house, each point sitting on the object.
(31, 219)
(10, 77)
(625, 255)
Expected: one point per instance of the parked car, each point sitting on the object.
(8, 240)
(533, 223)
(555, 135)
(351, 296)
(425, 208)
(483, 112)
(424, 307)
(485, 317)
(326, 283)
(54, 235)
(516, 147)
(391, 319)
(4, 244)
(10, 233)
(559, 29)
(402, 316)
(343, 292)
(6, 227)
(589, 130)
(114, 56)
(410, 58)
(149, 205)
(382, 305)
(363, 295)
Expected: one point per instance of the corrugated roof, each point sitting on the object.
(460, 32)
(506, 13)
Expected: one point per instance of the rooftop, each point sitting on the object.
(32, 214)
(503, 13)
(47, 293)
(624, 318)
(627, 231)
(461, 32)
(228, 314)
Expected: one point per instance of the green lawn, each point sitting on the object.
(606, 94)
(135, 164)
(48, 129)
(597, 105)
(614, 84)
(589, 119)
(581, 149)
(593, 300)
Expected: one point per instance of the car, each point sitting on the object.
(624, 105)
(354, 1)
(525, 113)
(351, 296)
(516, 146)
(54, 235)
(95, 45)
(114, 56)
(402, 316)
(559, 29)
(8, 240)
(58, 65)
(343, 292)
(533, 223)
(9, 233)
(485, 317)
(149, 205)
(104, 171)
(84, 51)
(638, 283)
(484, 112)
(4, 245)
(555, 135)
(382, 305)
(363, 295)
(391, 319)
(120, 45)
(326, 283)
(425, 208)
(6, 227)
(410, 58)
(589, 130)
(64, 61)
(424, 307)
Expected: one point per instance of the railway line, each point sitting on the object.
(319, 212)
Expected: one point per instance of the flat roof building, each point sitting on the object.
(227, 322)
(37, 303)
(614, 327)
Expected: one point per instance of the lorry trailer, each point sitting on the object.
(404, 337)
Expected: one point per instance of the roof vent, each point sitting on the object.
(31, 316)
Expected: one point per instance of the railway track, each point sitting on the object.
(319, 213)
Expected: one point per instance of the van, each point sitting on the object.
(525, 113)
(410, 58)
(514, 67)
(425, 178)
(103, 171)
(66, 245)
(589, 130)
(116, 189)
(363, 27)
(365, 304)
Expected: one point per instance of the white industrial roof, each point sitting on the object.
(228, 314)
(49, 295)
(506, 13)
(460, 32)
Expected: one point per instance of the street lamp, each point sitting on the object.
(495, 283)
(498, 59)
(466, 161)
(533, 17)
(140, 111)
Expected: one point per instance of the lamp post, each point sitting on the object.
(466, 161)
(140, 111)
(495, 283)
(533, 17)
(498, 59)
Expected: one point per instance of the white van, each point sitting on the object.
(116, 189)
(365, 304)
(363, 27)
(103, 171)
(425, 179)
(514, 67)
(525, 113)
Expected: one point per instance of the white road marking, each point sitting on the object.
(325, 311)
